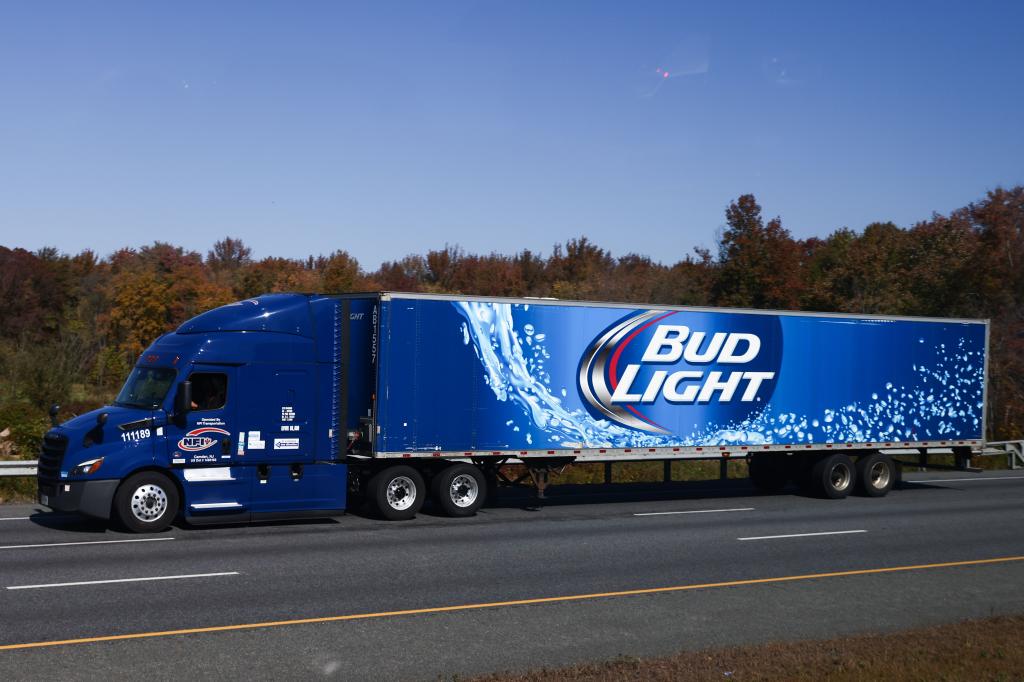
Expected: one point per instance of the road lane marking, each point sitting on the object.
(517, 602)
(88, 542)
(959, 480)
(15, 518)
(803, 535)
(695, 511)
(122, 580)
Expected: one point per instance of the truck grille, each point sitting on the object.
(50, 458)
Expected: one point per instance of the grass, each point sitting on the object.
(17, 489)
(986, 649)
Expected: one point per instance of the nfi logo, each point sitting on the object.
(200, 439)
(650, 371)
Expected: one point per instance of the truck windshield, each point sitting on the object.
(146, 387)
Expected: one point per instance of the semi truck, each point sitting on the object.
(290, 405)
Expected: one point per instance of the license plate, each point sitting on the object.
(44, 499)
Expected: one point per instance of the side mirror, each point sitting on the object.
(183, 401)
(53, 412)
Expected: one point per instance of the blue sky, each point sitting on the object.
(392, 128)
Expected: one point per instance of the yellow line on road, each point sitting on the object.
(515, 602)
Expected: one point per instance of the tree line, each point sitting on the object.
(73, 324)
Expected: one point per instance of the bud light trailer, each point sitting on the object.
(290, 404)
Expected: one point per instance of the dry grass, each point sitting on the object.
(17, 489)
(987, 649)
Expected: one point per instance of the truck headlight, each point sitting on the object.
(87, 467)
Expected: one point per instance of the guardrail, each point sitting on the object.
(1013, 450)
(25, 467)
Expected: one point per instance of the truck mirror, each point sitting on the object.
(53, 412)
(183, 400)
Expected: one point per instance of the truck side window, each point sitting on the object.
(209, 390)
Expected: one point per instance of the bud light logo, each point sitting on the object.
(667, 372)
(200, 439)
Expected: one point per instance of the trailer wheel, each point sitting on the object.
(460, 490)
(876, 474)
(397, 492)
(833, 476)
(146, 502)
(768, 473)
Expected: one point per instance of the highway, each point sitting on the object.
(630, 570)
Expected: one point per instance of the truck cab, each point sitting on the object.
(232, 417)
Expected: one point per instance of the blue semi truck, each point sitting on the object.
(299, 404)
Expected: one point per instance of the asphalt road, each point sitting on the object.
(62, 578)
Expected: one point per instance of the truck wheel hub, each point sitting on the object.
(149, 502)
(464, 490)
(401, 493)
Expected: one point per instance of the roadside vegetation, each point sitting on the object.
(74, 324)
(976, 650)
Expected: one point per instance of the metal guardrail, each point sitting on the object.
(26, 467)
(1013, 450)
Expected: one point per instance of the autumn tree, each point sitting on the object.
(228, 254)
(339, 273)
(578, 271)
(758, 263)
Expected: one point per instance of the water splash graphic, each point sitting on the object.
(945, 398)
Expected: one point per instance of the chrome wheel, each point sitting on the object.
(840, 477)
(464, 490)
(149, 502)
(401, 493)
(879, 475)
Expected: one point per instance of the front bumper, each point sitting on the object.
(92, 498)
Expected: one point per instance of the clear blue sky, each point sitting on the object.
(387, 129)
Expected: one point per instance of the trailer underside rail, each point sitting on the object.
(691, 452)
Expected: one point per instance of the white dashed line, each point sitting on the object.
(695, 511)
(958, 480)
(90, 542)
(803, 535)
(122, 580)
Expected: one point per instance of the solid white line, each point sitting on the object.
(90, 542)
(803, 535)
(122, 580)
(15, 518)
(951, 480)
(695, 511)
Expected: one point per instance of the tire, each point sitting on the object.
(396, 493)
(876, 474)
(768, 473)
(833, 476)
(459, 490)
(146, 502)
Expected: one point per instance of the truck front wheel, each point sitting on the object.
(459, 489)
(397, 492)
(146, 502)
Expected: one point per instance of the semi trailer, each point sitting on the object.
(290, 405)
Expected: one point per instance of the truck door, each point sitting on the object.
(280, 447)
(205, 451)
